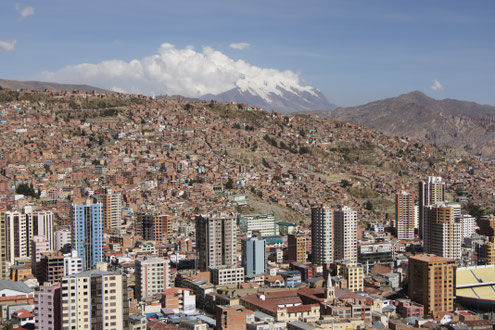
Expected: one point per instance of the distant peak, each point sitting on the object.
(415, 96)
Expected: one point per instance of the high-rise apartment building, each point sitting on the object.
(154, 227)
(73, 264)
(3, 249)
(254, 256)
(216, 240)
(487, 225)
(443, 230)
(404, 215)
(47, 307)
(51, 267)
(63, 239)
(87, 233)
(429, 193)
(95, 300)
(468, 225)
(264, 223)
(296, 248)
(21, 227)
(432, 281)
(486, 255)
(41, 224)
(111, 211)
(39, 245)
(152, 277)
(345, 235)
(15, 235)
(322, 219)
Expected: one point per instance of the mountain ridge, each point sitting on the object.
(461, 124)
(284, 100)
(42, 85)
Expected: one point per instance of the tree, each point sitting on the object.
(26, 190)
(345, 183)
(368, 206)
(230, 184)
(475, 210)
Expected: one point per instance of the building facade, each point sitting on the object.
(443, 230)
(404, 215)
(216, 240)
(87, 233)
(152, 277)
(345, 235)
(111, 211)
(95, 300)
(430, 192)
(353, 273)
(154, 227)
(264, 223)
(296, 248)
(47, 300)
(322, 219)
(224, 275)
(432, 282)
(254, 256)
(73, 264)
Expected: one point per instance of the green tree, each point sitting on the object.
(230, 184)
(475, 210)
(368, 206)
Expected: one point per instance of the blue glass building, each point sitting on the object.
(254, 256)
(87, 233)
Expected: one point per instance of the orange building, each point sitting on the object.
(432, 281)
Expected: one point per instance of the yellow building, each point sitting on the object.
(353, 273)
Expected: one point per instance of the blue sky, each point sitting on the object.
(353, 51)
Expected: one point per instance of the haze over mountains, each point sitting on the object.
(460, 124)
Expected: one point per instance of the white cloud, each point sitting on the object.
(437, 86)
(7, 45)
(24, 12)
(239, 45)
(179, 71)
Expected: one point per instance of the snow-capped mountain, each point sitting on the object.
(280, 98)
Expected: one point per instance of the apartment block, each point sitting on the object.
(152, 277)
(254, 256)
(404, 215)
(95, 300)
(322, 219)
(47, 300)
(353, 273)
(296, 248)
(111, 211)
(224, 275)
(216, 240)
(51, 267)
(430, 192)
(345, 235)
(180, 300)
(443, 230)
(87, 233)
(432, 281)
(154, 227)
(264, 223)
